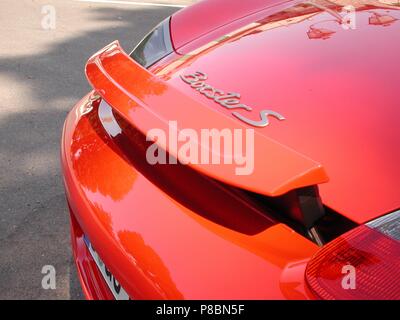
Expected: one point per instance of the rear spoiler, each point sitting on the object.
(146, 102)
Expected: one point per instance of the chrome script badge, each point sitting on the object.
(230, 100)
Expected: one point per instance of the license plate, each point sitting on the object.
(118, 292)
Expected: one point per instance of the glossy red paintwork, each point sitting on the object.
(337, 89)
(218, 246)
(190, 24)
(170, 232)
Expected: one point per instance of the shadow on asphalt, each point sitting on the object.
(34, 225)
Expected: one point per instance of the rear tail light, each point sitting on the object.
(363, 263)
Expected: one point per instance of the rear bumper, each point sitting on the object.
(93, 285)
(156, 247)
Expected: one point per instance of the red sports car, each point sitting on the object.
(243, 150)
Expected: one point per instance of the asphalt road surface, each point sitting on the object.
(41, 78)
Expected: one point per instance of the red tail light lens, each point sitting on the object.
(361, 264)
